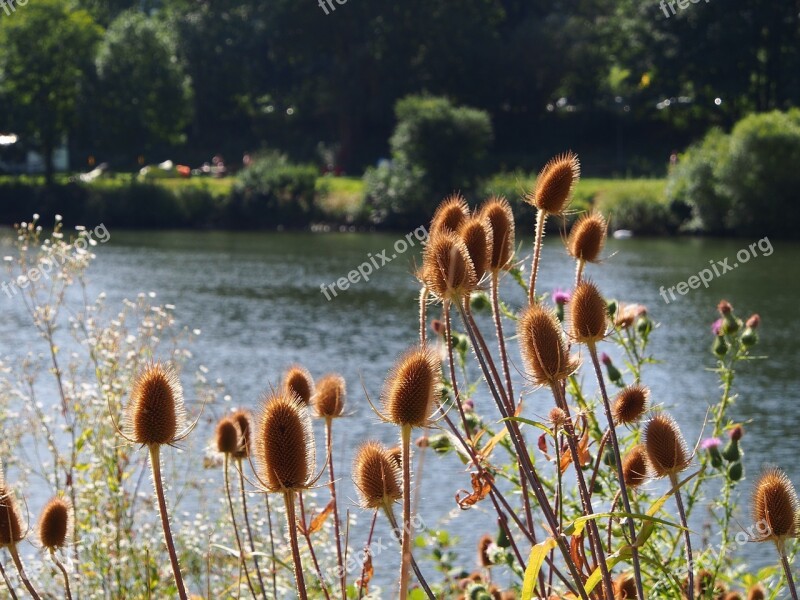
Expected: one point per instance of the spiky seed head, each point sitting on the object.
(329, 395)
(56, 523)
(483, 550)
(666, 448)
(284, 444)
(412, 387)
(634, 466)
(775, 506)
(298, 382)
(587, 237)
(555, 183)
(756, 592)
(498, 215)
(227, 436)
(449, 215)
(732, 596)
(476, 233)
(447, 269)
(242, 419)
(631, 404)
(557, 418)
(625, 587)
(155, 414)
(542, 346)
(11, 526)
(396, 454)
(588, 314)
(376, 475)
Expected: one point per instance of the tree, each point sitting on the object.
(144, 93)
(47, 52)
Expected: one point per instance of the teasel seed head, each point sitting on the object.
(634, 466)
(587, 237)
(396, 454)
(756, 592)
(56, 523)
(376, 475)
(625, 587)
(631, 404)
(227, 436)
(666, 448)
(557, 418)
(588, 314)
(12, 529)
(328, 399)
(447, 268)
(476, 233)
(242, 419)
(298, 382)
(449, 215)
(732, 596)
(483, 547)
(155, 414)
(775, 506)
(542, 346)
(284, 444)
(412, 387)
(500, 218)
(555, 183)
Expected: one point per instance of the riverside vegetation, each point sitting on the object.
(574, 516)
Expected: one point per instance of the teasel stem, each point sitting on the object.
(673, 478)
(579, 265)
(405, 434)
(451, 362)
(313, 554)
(787, 570)
(9, 587)
(67, 590)
(367, 550)
(12, 549)
(536, 485)
(423, 314)
(336, 526)
(242, 562)
(541, 218)
(288, 498)
(274, 569)
(250, 534)
(396, 530)
(594, 533)
(637, 570)
(155, 465)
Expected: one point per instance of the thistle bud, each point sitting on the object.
(720, 347)
(613, 373)
(735, 471)
(753, 322)
(712, 445)
(731, 453)
(749, 337)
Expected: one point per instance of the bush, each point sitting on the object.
(642, 209)
(396, 192)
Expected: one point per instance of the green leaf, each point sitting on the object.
(535, 560)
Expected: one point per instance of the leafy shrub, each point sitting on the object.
(396, 191)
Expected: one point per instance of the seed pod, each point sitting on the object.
(665, 445)
(450, 215)
(11, 525)
(156, 412)
(634, 467)
(631, 404)
(497, 213)
(298, 382)
(555, 183)
(227, 436)
(756, 592)
(588, 314)
(376, 476)
(285, 444)
(625, 587)
(587, 237)
(329, 396)
(447, 269)
(396, 454)
(56, 523)
(775, 506)
(476, 233)
(242, 419)
(542, 346)
(483, 547)
(412, 388)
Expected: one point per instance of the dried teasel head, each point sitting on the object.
(449, 215)
(329, 395)
(227, 436)
(376, 475)
(447, 268)
(756, 592)
(284, 444)
(775, 507)
(12, 529)
(242, 419)
(56, 523)
(588, 314)
(298, 382)
(542, 346)
(557, 418)
(412, 387)
(498, 215)
(396, 454)
(555, 183)
(666, 448)
(476, 233)
(625, 587)
(634, 466)
(631, 404)
(587, 237)
(483, 550)
(155, 414)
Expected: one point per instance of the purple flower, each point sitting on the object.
(716, 327)
(605, 358)
(560, 297)
(709, 443)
